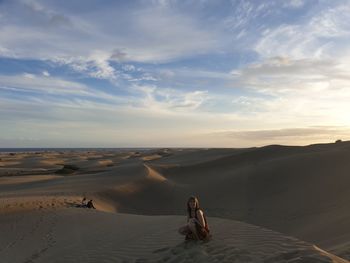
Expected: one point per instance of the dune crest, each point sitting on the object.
(153, 174)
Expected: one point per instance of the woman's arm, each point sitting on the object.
(200, 218)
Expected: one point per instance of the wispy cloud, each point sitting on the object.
(294, 3)
(146, 34)
(48, 85)
(301, 91)
(42, 84)
(76, 95)
(285, 74)
(322, 36)
(184, 71)
(287, 136)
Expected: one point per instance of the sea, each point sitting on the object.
(19, 150)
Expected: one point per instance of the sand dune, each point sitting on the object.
(301, 192)
(82, 235)
(7, 180)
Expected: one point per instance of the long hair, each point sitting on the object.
(195, 199)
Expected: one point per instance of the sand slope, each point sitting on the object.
(301, 191)
(82, 235)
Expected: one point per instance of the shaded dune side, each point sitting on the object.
(147, 193)
(195, 156)
(301, 191)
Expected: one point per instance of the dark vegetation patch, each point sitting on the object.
(68, 169)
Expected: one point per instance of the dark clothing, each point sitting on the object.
(90, 205)
(202, 232)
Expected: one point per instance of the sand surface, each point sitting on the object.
(269, 204)
(81, 235)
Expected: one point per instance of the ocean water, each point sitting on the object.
(18, 150)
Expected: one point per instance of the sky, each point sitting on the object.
(174, 73)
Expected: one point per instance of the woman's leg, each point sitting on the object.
(184, 230)
(192, 228)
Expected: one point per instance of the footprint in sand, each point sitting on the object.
(49, 237)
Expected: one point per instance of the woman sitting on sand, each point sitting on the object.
(197, 227)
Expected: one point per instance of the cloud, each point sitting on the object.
(128, 67)
(287, 136)
(170, 100)
(283, 74)
(146, 34)
(291, 132)
(169, 66)
(294, 3)
(244, 13)
(323, 35)
(77, 95)
(46, 73)
(96, 65)
(54, 121)
(42, 84)
(103, 68)
(300, 91)
(40, 15)
(119, 55)
(166, 118)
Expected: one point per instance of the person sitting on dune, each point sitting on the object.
(90, 205)
(83, 202)
(197, 227)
